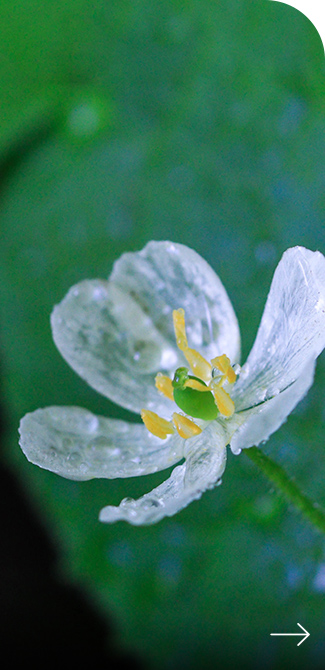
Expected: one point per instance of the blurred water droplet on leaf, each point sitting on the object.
(88, 114)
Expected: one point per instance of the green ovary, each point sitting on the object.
(196, 404)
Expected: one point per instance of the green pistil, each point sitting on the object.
(194, 403)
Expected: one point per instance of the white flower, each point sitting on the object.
(119, 335)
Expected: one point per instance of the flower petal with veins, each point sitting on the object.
(77, 444)
(118, 334)
(292, 329)
(264, 419)
(204, 465)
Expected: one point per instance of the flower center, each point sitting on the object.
(201, 395)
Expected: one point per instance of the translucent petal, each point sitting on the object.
(118, 334)
(266, 418)
(204, 465)
(292, 329)
(76, 444)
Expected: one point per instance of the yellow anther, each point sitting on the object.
(223, 364)
(156, 424)
(179, 328)
(194, 384)
(231, 375)
(185, 427)
(164, 384)
(223, 401)
(199, 366)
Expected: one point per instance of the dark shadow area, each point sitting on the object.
(42, 619)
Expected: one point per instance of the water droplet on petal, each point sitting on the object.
(127, 502)
(262, 394)
(99, 443)
(172, 249)
(136, 459)
(52, 453)
(99, 293)
(91, 423)
(245, 371)
(149, 503)
(115, 452)
(74, 458)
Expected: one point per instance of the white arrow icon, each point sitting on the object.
(305, 634)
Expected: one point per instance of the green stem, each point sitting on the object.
(277, 475)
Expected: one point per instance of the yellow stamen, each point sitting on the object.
(185, 427)
(199, 366)
(223, 401)
(223, 364)
(156, 424)
(164, 384)
(194, 384)
(179, 328)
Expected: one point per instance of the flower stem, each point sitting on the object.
(287, 487)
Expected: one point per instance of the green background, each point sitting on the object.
(200, 122)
